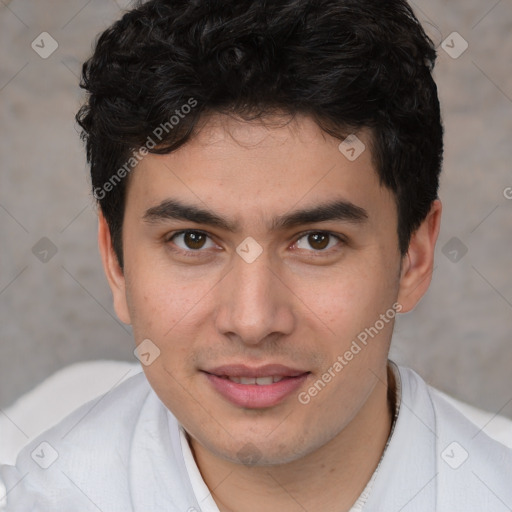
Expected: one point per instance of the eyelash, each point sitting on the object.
(196, 253)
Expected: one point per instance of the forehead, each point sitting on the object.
(250, 169)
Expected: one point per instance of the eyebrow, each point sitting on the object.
(341, 210)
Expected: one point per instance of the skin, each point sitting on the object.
(297, 304)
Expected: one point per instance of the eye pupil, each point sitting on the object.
(318, 240)
(194, 240)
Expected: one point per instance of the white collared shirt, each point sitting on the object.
(124, 453)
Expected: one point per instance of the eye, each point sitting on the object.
(192, 240)
(320, 241)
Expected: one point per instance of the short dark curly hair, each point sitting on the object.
(350, 64)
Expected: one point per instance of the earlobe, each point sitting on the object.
(418, 263)
(113, 271)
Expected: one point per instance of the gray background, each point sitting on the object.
(59, 312)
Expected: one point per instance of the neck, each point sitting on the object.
(330, 479)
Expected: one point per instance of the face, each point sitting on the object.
(261, 252)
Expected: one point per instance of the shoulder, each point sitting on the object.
(72, 461)
(451, 414)
(473, 468)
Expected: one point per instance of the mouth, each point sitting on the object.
(255, 388)
(260, 381)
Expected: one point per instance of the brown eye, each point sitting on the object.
(191, 240)
(194, 240)
(318, 241)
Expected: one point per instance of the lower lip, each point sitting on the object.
(254, 396)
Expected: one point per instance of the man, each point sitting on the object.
(267, 179)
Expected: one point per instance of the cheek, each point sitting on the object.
(346, 301)
(159, 303)
(168, 314)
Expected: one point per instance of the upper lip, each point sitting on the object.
(241, 370)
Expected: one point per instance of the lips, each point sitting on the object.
(240, 370)
(260, 387)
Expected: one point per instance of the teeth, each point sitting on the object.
(264, 381)
(260, 381)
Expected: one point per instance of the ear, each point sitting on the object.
(418, 263)
(113, 271)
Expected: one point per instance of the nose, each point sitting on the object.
(255, 305)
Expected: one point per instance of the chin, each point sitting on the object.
(260, 451)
